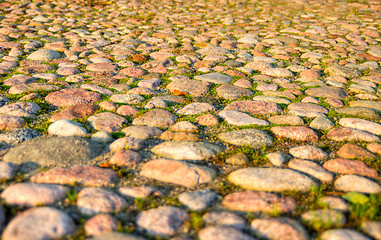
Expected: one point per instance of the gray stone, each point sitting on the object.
(59, 151)
(224, 218)
(127, 98)
(186, 150)
(231, 92)
(278, 159)
(222, 233)
(376, 106)
(241, 119)
(279, 228)
(198, 200)
(19, 135)
(156, 118)
(217, 78)
(142, 132)
(271, 179)
(322, 123)
(247, 137)
(354, 183)
(65, 128)
(325, 92)
(312, 169)
(308, 152)
(116, 236)
(342, 234)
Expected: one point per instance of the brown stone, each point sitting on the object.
(179, 136)
(346, 166)
(352, 151)
(207, 119)
(125, 158)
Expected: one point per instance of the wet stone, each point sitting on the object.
(346, 166)
(196, 108)
(254, 107)
(197, 200)
(247, 137)
(21, 109)
(296, 133)
(186, 150)
(342, 234)
(222, 233)
(361, 124)
(308, 152)
(312, 169)
(325, 218)
(85, 175)
(33, 194)
(278, 228)
(352, 151)
(224, 218)
(240, 119)
(72, 96)
(156, 118)
(142, 132)
(48, 223)
(107, 121)
(98, 200)
(353, 183)
(271, 179)
(350, 134)
(325, 92)
(250, 201)
(19, 135)
(177, 172)
(99, 224)
(231, 92)
(161, 221)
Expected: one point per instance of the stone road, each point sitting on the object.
(187, 119)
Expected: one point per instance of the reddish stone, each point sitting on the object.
(100, 224)
(75, 111)
(127, 110)
(133, 72)
(72, 96)
(346, 166)
(296, 133)
(8, 122)
(374, 147)
(234, 73)
(352, 151)
(207, 120)
(254, 107)
(125, 158)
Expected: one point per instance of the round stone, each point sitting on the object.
(44, 55)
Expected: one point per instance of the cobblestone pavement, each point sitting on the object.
(185, 119)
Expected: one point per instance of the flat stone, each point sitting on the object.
(21, 109)
(372, 228)
(189, 87)
(350, 134)
(342, 234)
(224, 218)
(100, 224)
(139, 192)
(322, 123)
(32, 87)
(361, 124)
(72, 96)
(286, 120)
(18, 79)
(196, 108)
(273, 99)
(278, 228)
(58, 151)
(48, 223)
(249, 201)
(310, 107)
(247, 137)
(186, 150)
(352, 151)
(75, 111)
(33, 194)
(222, 233)
(240, 119)
(127, 98)
(308, 152)
(353, 183)
(231, 92)
(98, 200)
(127, 143)
(363, 112)
(312, 169)
(217, 78)
(278, 72)
(197, 200)
(376, 106)
(346, 166)
(156, 118)
(179, 136)
(161, 221)
(19, 135)
(184, 126)
(343, 71)
(254, 107)
(85, 175)
(101, 67)
(296, 133)
(142, 132)
(271, 179)
(44, 55)
(107, 121)
(325, 92)
(324, 218)
(96, 88)
(177, 172)
(213, 51)
(66, 128)
(117, 236)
